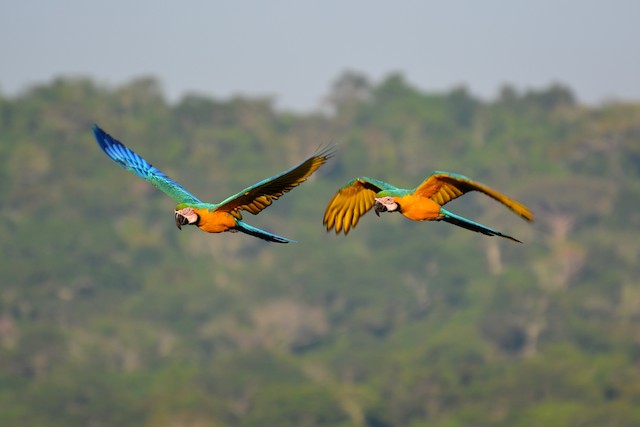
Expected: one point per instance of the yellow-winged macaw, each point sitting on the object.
(423, 203)
(223, 216)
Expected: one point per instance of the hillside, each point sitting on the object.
(111, 316)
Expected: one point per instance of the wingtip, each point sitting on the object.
(326, 151)
(530, 216)
(100, 135)
(523, 212)
(97, 130)
(103, 139)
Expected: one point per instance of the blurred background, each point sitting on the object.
(110, 316)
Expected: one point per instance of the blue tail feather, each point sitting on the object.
(473, 226)
(261, 234)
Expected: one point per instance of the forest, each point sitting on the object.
(111, 316)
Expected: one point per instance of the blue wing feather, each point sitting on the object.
(131, 161)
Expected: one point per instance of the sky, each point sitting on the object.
(294, 50)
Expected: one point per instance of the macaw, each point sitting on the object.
(423, 203)
(223, 216)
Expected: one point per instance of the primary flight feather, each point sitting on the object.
(423, 203)
(215, 217)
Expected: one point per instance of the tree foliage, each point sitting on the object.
(111, 316)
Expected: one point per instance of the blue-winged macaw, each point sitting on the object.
(223, 216)
(423, 203)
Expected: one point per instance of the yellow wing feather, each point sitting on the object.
(259, 196)
(442, 187)
(349, 204)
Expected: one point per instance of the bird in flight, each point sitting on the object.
(216, 217)
(423, 203)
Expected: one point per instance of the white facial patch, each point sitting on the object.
(189, 213)
(388, 203)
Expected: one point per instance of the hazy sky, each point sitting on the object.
(293, 50)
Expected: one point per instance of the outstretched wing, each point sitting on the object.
(131, 161)
(442, 187)
(352, 201)
(257, 197)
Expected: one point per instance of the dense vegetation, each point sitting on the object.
(110, 316)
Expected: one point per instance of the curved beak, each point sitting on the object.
(379, 207)
(180, 221)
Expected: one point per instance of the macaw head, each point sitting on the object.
(186, 216)
(386, 204)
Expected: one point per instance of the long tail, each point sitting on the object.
(470, 225)
(261, 234)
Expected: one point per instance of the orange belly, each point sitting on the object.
(418, 208)
(215, 222)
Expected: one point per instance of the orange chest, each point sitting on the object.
(418, 208)
(215, 222)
